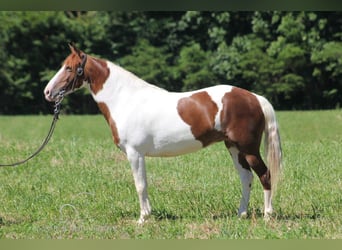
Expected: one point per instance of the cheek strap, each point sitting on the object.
(80, 68)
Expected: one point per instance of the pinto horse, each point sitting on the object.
(149, 121)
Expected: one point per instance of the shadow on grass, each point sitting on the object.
(6, 220)
(296, 216)
(163, 214)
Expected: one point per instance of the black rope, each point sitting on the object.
(56, 111)
(60, 96)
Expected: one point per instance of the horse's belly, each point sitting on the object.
(163, 149)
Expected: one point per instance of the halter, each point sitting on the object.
(57, 109)
(79, 72)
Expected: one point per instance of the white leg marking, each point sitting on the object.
(246, 177)
(139, 173)
(268, 204)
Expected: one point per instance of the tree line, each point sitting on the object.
(292, 58)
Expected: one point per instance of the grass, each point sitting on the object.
(81, 185)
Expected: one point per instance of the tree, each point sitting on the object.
(328, 71)
(151, 64)
(193, 68)
(293, 58)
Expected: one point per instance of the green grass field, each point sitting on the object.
(81, 185)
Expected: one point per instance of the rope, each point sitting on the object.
(56, 111)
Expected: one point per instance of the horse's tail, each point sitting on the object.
(273, 150)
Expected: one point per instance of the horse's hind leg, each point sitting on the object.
(254, 161)
(244, 161)
(259, 167)
(246, 178)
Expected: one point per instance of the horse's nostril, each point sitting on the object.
(47, 92)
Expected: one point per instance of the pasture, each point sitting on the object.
(81, 185)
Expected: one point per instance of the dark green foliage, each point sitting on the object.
(150, 63)
(193, 67)
(293, 58)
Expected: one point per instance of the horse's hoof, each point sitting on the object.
(243, 215)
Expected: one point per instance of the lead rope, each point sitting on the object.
(57, 110)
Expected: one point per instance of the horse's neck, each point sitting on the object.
(125, 79)
(122, 84)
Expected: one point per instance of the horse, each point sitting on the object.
(148, 121)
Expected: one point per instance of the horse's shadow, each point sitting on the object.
(163, 214)
(10, 220)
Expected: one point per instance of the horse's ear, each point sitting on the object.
(74, 49)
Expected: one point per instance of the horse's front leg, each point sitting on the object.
(139, 173)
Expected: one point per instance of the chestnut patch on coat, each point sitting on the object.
(199, 111)
(243, 121)
(97, 72)
(72, 61)
(105, 111)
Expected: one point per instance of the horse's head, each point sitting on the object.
(71, 75)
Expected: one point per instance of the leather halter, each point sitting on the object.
(79, 72)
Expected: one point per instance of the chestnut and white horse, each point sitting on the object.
(149, 121)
